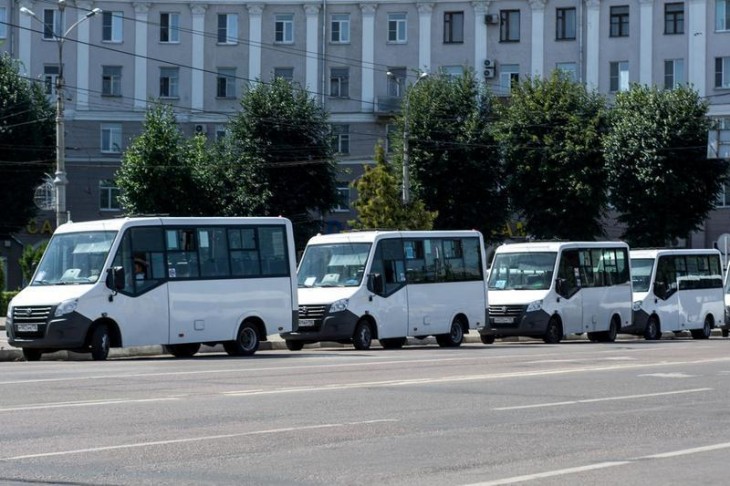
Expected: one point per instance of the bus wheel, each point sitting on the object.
(31, 354)
(487, 338)
(652, 331)
(554, 332)
(363, 336)
(246, 343)
(294, 345)
(613, 328)
(725, 332)
(392, 343)
(705, 332)
(100, 343)
(454, 337)
(186, 350)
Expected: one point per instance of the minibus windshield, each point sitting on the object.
(641, 273)
(74, 258)
(522, 271)
(333, 265)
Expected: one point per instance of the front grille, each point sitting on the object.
(31, 315)
(506, 310)
(312, 311)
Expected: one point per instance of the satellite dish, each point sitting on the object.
(723, 243)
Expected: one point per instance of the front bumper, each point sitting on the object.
(65, 332)
(513, 323)
(339, 326)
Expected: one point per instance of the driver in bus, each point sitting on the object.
(140, 268)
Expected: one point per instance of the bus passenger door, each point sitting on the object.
(389, 303)
(569, 295)
(665, 293)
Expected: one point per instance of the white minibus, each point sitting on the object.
(550, 290)
(389, 285)
(677, 290)
(178, 282)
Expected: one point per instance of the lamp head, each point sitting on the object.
(95, 11)
(27, 11)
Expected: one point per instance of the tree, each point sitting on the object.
(30, 259)
(27, 145)
(279, 157)
(662, 183)
(550, 131)
(454, 160)
(379, 202)
(160, 171)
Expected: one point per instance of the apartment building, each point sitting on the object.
(355, 58)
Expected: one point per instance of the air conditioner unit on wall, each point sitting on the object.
(201, 129)
(489, 70)
(491, 19)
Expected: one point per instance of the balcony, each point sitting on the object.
(387, 105)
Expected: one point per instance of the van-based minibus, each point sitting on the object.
(676, 290)
(178, 282)
(550, 290)
(390, 285)
(725, 328)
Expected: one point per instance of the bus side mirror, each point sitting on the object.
(375, 283)
(115, 278)
(560, 284)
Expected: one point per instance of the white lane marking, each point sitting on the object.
(85, 403)
(669, 375)
(602, 465)
(193, 439)
(580, 360)
(604, 399)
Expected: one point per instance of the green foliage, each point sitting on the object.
(454, 160)
(5, 298)
(162, 173)
(27, 144)
(2, 276)
(551, 133)
(30, 259)
(279, 158)
(379, 202)
(662, 184)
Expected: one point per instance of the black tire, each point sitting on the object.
(294, 345)
(613, 329)
(653, 331)
(31, 354)
(186, 350)
(705, 332)
(554, 332)
(393, 343)
(593, 337)
(454, 337)
(246, 343)
(487, 338)
(100, 343)
(362, 338)
(725, 332)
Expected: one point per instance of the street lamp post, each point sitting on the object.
(406, 154)
(60, 181)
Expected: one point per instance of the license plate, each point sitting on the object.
(27, 327)
(504, 320)
(306, 322)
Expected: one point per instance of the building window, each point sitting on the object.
(169, 82)
(509, 25)
(226, 83)
(220, 132)
(51, 23)
(286, 73)
(108, 196)
(397, 27)
(508, 74)
(673, 73)
(453, 27)
(340, 82)
(341, 139)
(111, 81)
(111, 138)
(390, 134)
(619, 21)
(565, 24)
(343, 198)
(340, 28)
(284, 29)
(169, 27)
(722, 14)
(674, 18)
(722, 72)
(569, 69)
(3, 23)
(619, 76)
(452, 72)
(227, 29)
(50, 79)
(396, 82)
(111, 26)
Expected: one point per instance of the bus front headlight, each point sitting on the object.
(66, 307)
(534, 306)
(637, 305)
(339, 305)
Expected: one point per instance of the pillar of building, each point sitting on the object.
(646, 37)
(593, 51)
(197, 82)
(537, 57)
(81, 100)
(697, 45)
(141, 11)
(425, 12)
(255, 11)
(368, 57)
(312, 48)
(480, 34)
(24, 39)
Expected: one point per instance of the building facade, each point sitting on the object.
(357, 58)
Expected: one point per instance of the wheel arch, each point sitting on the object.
(115, 335)
(258, 324)
(464, 321)
(372, 322)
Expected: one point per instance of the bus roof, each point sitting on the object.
(655, 252)
(118, 224)
(372, 236)
(556, 246)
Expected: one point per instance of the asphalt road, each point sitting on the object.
(631, 412)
